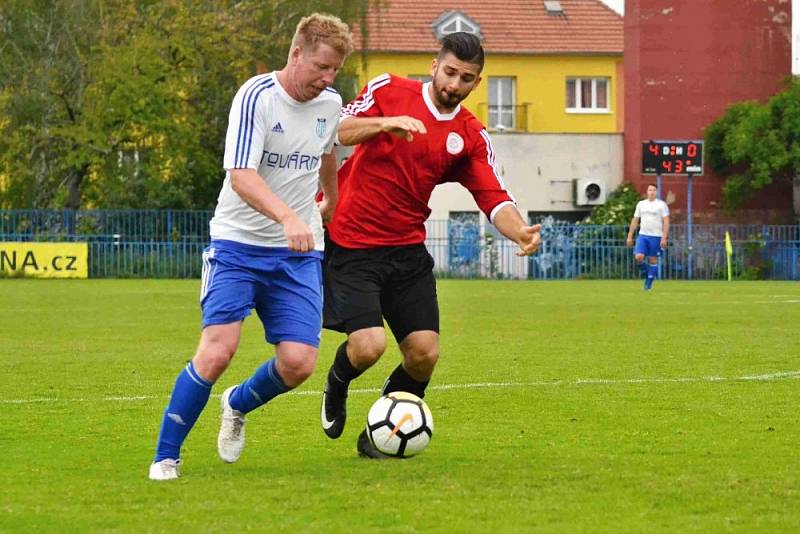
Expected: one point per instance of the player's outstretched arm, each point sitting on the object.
(509, 222)
(251, 188)
(355, 130)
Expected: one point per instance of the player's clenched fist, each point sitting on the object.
(298, 234)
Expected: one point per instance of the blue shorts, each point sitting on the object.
(649, 245)
(284, 287)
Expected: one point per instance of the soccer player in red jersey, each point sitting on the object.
(411, 136)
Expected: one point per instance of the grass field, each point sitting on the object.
(559, 406)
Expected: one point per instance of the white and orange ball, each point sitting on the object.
(400, 424)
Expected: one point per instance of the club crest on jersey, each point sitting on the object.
(321, 127)
(455, 143)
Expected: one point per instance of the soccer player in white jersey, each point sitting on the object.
(266, 239)
(653, 234)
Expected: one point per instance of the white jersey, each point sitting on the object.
(283, 140)
(651, 214)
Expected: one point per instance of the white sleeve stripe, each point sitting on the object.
(246, 119)
(363, 103)
(497, 208)
(367, 100)
(491, 159)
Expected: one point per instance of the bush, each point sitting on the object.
(618, 209)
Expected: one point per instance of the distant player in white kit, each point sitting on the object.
(266, 239)
(653, 234)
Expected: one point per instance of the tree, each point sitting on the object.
(43, 60)
(124, 103)
(754, 145)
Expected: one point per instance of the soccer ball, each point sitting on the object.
(400, 424)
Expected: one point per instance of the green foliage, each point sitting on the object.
(618, 209)
(124, 104)
(756, 266)
(754, 145)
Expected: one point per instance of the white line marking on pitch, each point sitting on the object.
(479, 385)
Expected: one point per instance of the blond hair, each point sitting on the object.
(321, 28)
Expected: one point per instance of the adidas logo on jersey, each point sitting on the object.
(277, 128)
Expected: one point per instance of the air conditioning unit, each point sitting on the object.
(589, 191)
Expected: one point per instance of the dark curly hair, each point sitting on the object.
(465, 46)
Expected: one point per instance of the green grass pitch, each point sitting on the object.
(559, 407)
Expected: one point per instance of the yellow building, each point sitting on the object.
(551, 95)
(551, 67)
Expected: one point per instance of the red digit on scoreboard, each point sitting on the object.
(691, 150)
(667, 165)
(653, 149)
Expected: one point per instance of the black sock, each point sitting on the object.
(400, 380)
(342, 371)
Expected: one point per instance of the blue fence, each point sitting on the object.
(129, 225)
(168, 244)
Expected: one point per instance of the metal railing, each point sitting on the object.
(504, 118)
(168, 244)
(128, 225)
(572, 251)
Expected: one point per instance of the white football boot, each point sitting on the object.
(230, 441)
(166, 469)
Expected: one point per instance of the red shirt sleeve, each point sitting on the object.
(365, 104)
(481, 176)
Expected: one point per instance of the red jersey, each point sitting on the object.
(385, 186)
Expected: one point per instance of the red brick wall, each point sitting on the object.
(685, 62)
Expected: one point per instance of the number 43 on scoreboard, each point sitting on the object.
(672, 157)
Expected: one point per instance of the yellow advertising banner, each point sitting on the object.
(44, 260)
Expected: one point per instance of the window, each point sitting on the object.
(424, 78)
(502, 102)
(458, 25)
(553, 7)
(454, 21)
(587, 94)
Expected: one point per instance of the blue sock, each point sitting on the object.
(642, 266)
(259, 389)
(652, 273)
(189, 397)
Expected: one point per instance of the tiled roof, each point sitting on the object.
(508, 26)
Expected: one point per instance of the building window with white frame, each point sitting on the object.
(455, 21)
(502, 102)
(587, 95)
(459, 25)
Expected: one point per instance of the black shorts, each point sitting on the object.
(362, 286)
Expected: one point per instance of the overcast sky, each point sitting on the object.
(616, 5)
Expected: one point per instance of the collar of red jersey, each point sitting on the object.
(426, 96)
